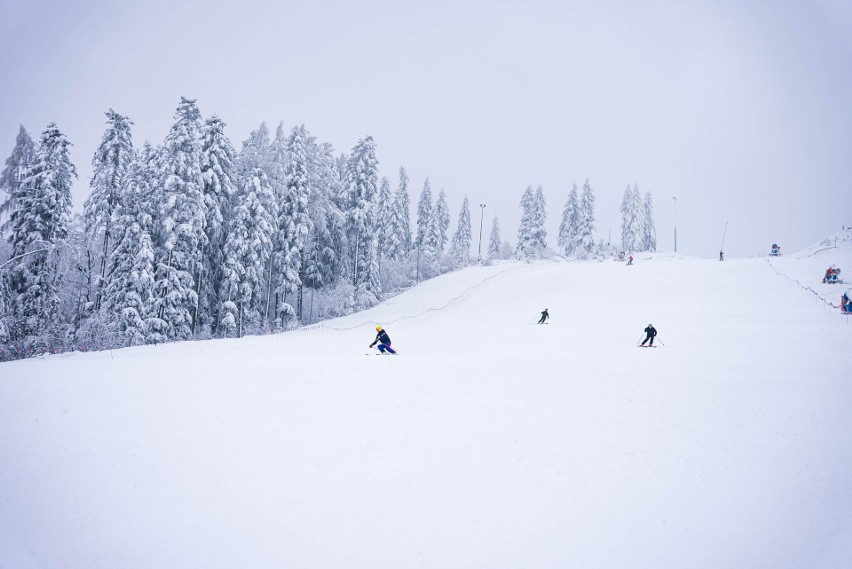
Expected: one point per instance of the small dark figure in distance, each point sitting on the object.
(383, 341)
(721, 256)
(544, 316)
(630, 260)
(650, 332)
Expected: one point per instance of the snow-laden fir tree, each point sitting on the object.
(110, 167)
(424, 218)
(402, 207)
(362, 186)
(586, 222)
(384, 220)
(495, 241)
(328, 234)
(460, 248)
(570, 223)
(631, 220)
(649, 230)
(38, 225)
(522, 249)
(181, 218)
(532, 235)
(248, 249)
(538, 233)
(128, 293)
(255, 152)
(294, 226)
(12, 176)
(219, 175)
(442, 222)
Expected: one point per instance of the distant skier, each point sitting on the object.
(650, 332)
(383, 340)
(721, 256)
(544, 316)
(630, 260)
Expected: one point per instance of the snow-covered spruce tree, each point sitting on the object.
(293, 227)
(362, 189)
(649, 230)
(181, 219)
(570, 223)
(248, 248)
(495, 240)
(218, 172)
(523, 249)
(129, 291)
(442, 222)
(12, 176)
(424, 215)
(460, 249)
(586, 223)
(255, 152)
(402, 206)
(110, 166)
(327, 236)
(538, 234)
(631, 220)
(384, 220)
(39, 224)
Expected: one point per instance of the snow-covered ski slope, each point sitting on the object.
(490, 441)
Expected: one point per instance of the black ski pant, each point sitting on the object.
(648, 337)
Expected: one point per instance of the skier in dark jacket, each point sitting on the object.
(544, 316)
(650, 332)
(383, 340)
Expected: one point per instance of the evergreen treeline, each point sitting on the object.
(194, 239)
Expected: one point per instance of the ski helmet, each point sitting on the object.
(378, 328)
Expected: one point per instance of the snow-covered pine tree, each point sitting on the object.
(442, 222)
(460, 249)
(631, 221)
(255, 152)
(362, 185)
(39, 224)
(294, 226)
(570, 223)
(181, 218)
(110, 166)
(538, 233)
(219, 174)
(402, 207)
(384, 221)
(424, 218)
(586, 224)
(523, 249)
(327, 219)
(495, 242)
(649, 230)
(128, 293)
(12, 176)
(248, 248)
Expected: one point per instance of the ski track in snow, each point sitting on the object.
(488, 442)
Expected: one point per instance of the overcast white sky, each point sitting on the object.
(741, 109)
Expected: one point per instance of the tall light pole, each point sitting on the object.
(675, 222)
(481, 216)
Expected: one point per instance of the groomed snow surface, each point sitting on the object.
(490, 441)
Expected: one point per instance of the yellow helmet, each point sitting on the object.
(378, 328)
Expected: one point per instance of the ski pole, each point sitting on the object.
(661, 342)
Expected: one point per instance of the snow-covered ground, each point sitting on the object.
(490, 441)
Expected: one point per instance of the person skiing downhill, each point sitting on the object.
(650, 332)
(630, 260)
(544, 316)
(383, 340)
